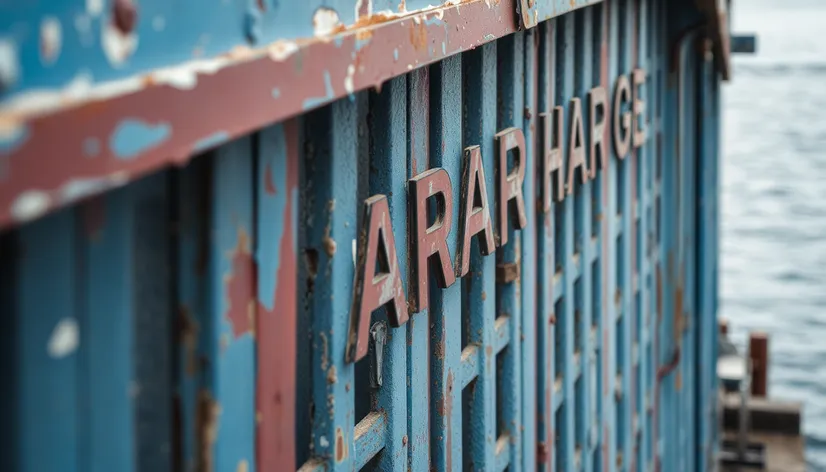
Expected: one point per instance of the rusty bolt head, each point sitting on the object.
(125, 16)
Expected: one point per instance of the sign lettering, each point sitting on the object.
(378, 280)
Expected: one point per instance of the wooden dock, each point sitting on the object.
(775, 426)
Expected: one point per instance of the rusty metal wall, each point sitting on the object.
(219, 315)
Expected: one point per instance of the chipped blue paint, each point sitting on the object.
(328, 90)
(361, 42)
(132, 137)
(211, 141)
(12, 139)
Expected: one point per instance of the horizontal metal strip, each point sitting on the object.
(559, 276)
(370, 436)
(470, 364)
(168, 115)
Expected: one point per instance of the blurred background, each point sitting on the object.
(773, 260)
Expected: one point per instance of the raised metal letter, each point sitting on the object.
(509, 185)
(474, 212)
(621, 123)
(378, 281)
(638, 77)
(429, 241)
(596, 128)
(552, 157)
(576, 146)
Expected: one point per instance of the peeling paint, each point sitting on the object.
(117, 46)
(132, 137)
(9, 63)
(281, 50)
(326, 22)
(240, 287)
(329, 93)
(94, 7)
(348, 81)
(51, 39)
(65, 338)
(211, 141)
(30, 205)
(206, 426)
(12, 136)
(76, 189)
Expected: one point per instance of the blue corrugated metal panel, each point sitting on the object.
(479, 418)
(510, 79)
(418, 331)
(389, 172)
(446, 304)
(221, 294)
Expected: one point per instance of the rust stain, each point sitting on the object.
(341, 449)
(418, 35)
(188, 337)
(206, 427)
(364, 34)
(240, 287)
(332, 377)
(269, 183)
(276, 328)
(448, 419)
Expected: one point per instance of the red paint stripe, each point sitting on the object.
(276, 328)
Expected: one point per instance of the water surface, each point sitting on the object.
(773, 259)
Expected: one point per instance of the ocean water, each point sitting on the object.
(773, 256)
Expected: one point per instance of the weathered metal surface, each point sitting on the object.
(529, 216)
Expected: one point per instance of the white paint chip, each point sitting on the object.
(325, 21)
(30, 205)
(65, 338)
(94, 7)
(116, 45)
(51, 39)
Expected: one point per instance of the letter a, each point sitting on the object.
(378, 281)
(474, 212)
